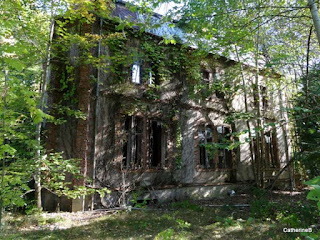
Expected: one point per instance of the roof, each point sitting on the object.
(171, 31)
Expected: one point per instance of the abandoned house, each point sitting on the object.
(158, 119)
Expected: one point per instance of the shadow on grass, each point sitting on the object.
(184, 222)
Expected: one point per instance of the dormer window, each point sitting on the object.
(136, 76)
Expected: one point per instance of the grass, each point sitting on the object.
(181, 220)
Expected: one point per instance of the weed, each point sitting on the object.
(182, 224)
(165, 235)
(187, 205)
(138, 203)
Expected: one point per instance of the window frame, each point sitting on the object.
(129, 144)
(215, 165)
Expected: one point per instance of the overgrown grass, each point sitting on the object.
(264, 220)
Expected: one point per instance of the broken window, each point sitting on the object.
(212, 143)
(205, 137)
(132, 148)
(224, 155)
(271, 149)
(157, 144)
(136, 73)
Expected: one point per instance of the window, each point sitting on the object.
(271, 149)
(206, 77)
(152, 75)
(218, 85)
(157, 144)
(265, 103)
(136, 72)
(132, 148)
(140, 133)
(211, 144)
(150, 78)
(205, 136)
(224, 155)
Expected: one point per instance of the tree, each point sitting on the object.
(26, 30)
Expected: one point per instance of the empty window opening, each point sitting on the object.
(205, 137)
(157, 144)
(206, 77)
(132, 148)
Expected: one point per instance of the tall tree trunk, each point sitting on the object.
(315, 17)
(96, 114)
(285, 140)
(307, 82)
(43, 91)
(4, 138)
(259, 132)
(246, 111)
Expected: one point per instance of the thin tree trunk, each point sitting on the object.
(37, 175)
(315, 17)
(307, 68)
(4, 138)
(259, 137)
(307, 72)
(285, 139)
(96, 122)
(259, 131)
(246, 111)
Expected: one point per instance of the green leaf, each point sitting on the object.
(314, 181)
(14, 63)
(314, 195)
